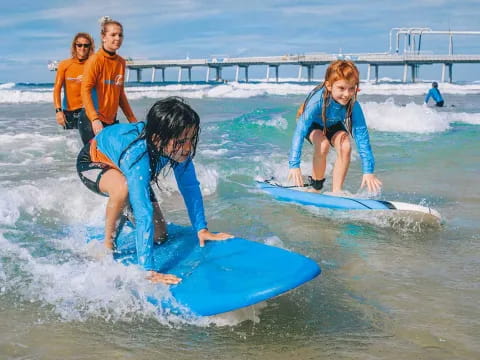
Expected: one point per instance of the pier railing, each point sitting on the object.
(410, 63)
(411, 59)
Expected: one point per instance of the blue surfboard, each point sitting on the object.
(220, 277)
(294, 194)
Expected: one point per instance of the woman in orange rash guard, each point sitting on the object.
(103, 84)
(69, 77)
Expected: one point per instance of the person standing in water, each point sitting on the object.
(328, 117)
(123, 160)
(103, 88)
(69, 77)
(434, 93)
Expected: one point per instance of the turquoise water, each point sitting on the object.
(391, 287)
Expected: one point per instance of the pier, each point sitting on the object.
(410, 58)
(409, 62)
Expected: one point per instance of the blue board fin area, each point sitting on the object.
(220, 277)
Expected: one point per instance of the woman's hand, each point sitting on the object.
(167, 279)
(204, 235)
(60, 117)
(372, 182)
(295, 175)
(97, 126)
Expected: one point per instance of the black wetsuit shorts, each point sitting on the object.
(71, 119)
(331, 131)
(91, 172)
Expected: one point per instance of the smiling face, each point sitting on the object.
(181, 148)
(82, 48)
(342, 90)
(113, 37)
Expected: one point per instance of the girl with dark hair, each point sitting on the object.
(123, 160)
(328, 117)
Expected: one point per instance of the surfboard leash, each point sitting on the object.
(271, 182)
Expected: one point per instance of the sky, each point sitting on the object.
(34, 32)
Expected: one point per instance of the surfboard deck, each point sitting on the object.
(220, 277)
(339, 202)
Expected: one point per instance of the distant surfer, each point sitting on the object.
(69, 78)
(103, 84)
(434, 93)
(123, 160)
(328, 117)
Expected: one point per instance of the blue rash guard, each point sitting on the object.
(335, 114)
(112, 141)
(435, 94)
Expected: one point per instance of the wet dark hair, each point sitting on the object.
(167, 120)
(434, 84)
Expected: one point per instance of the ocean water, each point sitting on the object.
(392, 286)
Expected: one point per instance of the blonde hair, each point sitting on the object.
(106, 21)
(73, 50)
(337, 70)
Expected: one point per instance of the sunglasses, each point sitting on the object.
(86, 46)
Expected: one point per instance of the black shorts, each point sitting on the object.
(91, 172)
(440, 103)
(332, 130)
(85, 127)
(71, 119)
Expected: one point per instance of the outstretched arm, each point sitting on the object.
(295, 175)
(427, 97)
(204, 235)
(189, 186)
(167, 279)
(372, 183)
(362, 139)
(311, 112)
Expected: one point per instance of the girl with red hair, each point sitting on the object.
(329, 116)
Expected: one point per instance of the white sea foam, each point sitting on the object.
(277, 121)
(12, 96)
(84, 287)
(9, 85)
(213, 153)
(413, 118)
(467, 118)
(66, 197)
(274, 241)
(9, 94)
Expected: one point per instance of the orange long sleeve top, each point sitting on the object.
(69, 77)
(103, 88)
